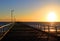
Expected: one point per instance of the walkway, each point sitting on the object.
(23, 32)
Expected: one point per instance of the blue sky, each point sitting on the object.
(22, 7)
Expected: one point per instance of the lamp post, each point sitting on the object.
(12, 15)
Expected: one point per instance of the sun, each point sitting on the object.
(51, 17)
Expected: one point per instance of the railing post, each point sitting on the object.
(56, 30)
(2, 30)
(44, 27)
(40, 27)
(48, 32)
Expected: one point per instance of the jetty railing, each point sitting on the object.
(5, 29)
(47, 28)
(52, 31)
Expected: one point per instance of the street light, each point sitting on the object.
(12, 15)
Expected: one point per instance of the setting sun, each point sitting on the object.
(51, 17)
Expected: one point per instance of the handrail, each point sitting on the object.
(5, 25)
(47, 33)
(5, 29)
(43, 28)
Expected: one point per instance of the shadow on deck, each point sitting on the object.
(22, 32)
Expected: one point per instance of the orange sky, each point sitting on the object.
(41, 14)
(29, 10)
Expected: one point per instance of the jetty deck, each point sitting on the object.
(23, 32)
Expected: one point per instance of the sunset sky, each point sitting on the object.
(29, 10)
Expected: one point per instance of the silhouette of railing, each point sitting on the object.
(47, 28)
(51, 31)
(4, 29)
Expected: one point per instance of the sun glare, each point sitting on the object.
(51, 17)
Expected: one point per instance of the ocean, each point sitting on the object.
(4, 23)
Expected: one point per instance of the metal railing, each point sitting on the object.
(5, 29)
(47, 28)
(52, 31)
